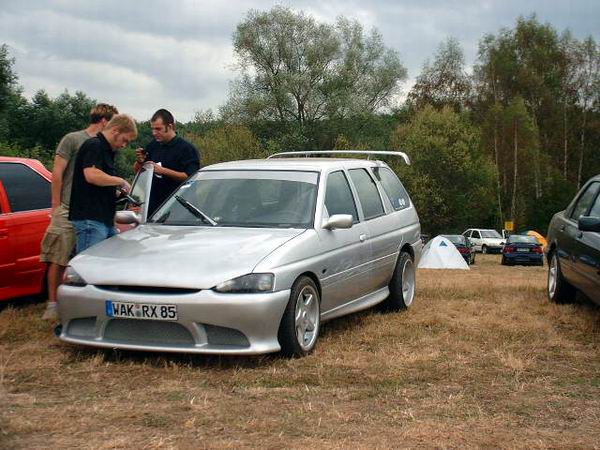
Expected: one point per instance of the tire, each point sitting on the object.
(473, 257)
(559, 289)
(503, 262)
(300, 324)
(484, 249)
(402, 285)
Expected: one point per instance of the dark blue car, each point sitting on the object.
(521, 249)
(574, 247)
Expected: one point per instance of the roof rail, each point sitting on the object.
(342, 152)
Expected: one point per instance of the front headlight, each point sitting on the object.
(72, 278)
(251, 283)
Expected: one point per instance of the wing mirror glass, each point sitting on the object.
(589, 223)
(127, 217)
(338, 221)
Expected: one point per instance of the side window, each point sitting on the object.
(476, 234)
(393, 188)
(338, 197)
(26, 189)
(367, 193)
(585, 200)
(595, 211)
(467, 233)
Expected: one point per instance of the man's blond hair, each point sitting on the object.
(102, 111)
(123, 123)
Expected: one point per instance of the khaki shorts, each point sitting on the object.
(59, 241)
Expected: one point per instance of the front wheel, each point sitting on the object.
(299, 328)
(402, 285)
(484, 249)
(559, 289)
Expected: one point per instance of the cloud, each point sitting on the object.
(178, 54)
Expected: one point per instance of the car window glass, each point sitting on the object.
(476, 234)
(338, 196)
(252, 198)
(585, 200)
(26, 189)
(392, 187)
(491, 234)
(595, 211)
(367, 193)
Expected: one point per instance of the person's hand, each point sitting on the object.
(159, 169)
(140, 155)
(125, 187)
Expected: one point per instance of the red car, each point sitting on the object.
(25, 201)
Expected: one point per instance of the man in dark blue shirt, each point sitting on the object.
(173, 157)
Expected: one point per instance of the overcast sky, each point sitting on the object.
(177, 54)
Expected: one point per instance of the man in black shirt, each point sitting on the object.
(173, 157)
(93, 194)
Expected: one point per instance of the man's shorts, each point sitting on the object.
(59, 241)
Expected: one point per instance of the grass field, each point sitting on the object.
(480, 360)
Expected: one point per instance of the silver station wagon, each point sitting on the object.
(248, 257)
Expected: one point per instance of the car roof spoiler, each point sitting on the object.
(308, 153)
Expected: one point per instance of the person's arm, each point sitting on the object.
(140, 159)
(189, 161)
(58, 170)
(97, 177)
(174, 174)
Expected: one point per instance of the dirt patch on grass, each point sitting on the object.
(480, 360)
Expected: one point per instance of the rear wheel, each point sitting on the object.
(403, 284)
(559, 289)
(299, 328)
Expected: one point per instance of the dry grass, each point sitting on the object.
(481, 360)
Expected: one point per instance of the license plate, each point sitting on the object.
(523, 250)
(142, 311)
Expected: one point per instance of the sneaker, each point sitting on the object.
(50, 313)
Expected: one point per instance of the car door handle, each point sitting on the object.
(362, 237)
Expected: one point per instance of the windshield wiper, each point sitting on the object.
(195, 211)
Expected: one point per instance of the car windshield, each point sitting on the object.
(243, 198)
(519, 239)
(456, 239)
(490, 234)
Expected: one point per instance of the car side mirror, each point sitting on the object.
(338, 221)
(589, 223)
(127, 217)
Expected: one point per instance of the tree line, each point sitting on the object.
(512, 138)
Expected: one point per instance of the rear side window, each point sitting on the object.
(393, 188)
(26, 189)
(338, 197)
(585, 201)
(367, 193)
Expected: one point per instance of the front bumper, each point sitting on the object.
(208, 322)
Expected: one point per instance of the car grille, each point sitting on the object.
(148, 332)
(84, 327)
(146, 289)
(226, 337)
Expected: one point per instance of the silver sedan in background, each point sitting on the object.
(248, 257)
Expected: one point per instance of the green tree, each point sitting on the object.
(9, 91)
(227, 143)
(296, 69)
(450, 180)
(443, 82)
